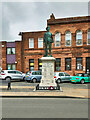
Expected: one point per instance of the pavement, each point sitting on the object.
(29, 91)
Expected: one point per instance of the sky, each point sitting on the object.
(32, 16)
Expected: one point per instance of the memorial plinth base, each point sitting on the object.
(47, 81)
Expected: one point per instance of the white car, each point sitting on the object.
(61, 77)
(11, 75)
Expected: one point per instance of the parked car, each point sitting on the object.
(33, 76)
(23, 74)
(81, 78)
(12, 75)
(61, 77)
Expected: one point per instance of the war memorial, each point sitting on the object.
(47, 81)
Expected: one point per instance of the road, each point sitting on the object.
(63, 84)
(44, 108)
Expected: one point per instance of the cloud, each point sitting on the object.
(32, 16)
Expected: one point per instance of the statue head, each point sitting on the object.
(48, 28)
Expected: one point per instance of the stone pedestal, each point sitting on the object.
(47, 81)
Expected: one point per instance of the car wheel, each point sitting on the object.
(24, 79)
(34, 80)
(58, 81)
(82, 81)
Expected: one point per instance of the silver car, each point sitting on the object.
(33, 76)
(61, 77)
(11, 75)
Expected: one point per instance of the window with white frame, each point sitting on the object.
(31, 42)
(68, 38)
(11, 66)
(11, 51)
(57, 39)
(79, 37)
(40, 42)
(88, 37)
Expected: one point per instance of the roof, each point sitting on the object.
(10, 40)
(32, 32)
(68, 20)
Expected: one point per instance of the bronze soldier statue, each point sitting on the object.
(48, 40)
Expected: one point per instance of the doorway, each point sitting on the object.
(88, 64)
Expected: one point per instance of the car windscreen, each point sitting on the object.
(86, 75)
(61, 74)
(79, 74)
(27, 73)
(17, 72)
(66, 74)
(2, 71)
(54, 74)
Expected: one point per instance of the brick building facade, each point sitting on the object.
(11, 55)
(71, 46)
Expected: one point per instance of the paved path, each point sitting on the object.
(29, 91)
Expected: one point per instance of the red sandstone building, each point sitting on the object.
(71, 47)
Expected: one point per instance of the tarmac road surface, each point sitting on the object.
(44, 108)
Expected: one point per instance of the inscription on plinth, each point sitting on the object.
(47, 72)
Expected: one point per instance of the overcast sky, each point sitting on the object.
(32, 16)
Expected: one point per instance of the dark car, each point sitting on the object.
(33, 76)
